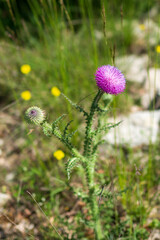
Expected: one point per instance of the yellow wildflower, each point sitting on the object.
(158, 49)
(26, 95)
(59, 154)
(55, 91)
(142, 27)
(25, 69)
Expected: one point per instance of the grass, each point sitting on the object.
(64, 44)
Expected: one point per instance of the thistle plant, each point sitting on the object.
(109, 80)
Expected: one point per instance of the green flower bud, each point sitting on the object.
(47, 129)
(34, 115)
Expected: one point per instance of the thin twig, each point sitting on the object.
(67, 14)
(104, 23)
(45, 215)
(8, 106)
(10, 10)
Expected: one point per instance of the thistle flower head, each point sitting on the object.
(34, 115)
(110, 79)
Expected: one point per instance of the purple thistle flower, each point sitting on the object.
(110, 79)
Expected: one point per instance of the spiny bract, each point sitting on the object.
(34, 115)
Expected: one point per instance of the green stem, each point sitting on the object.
(96, 219)
(89, 168)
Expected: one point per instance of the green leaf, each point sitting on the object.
(70, 165)
(66, 128)
(72, 133)
(57, 190)
(54, 124)
(75, 105)
(107, 127)
(102, 110)
(97, 144)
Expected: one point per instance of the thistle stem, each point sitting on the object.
(89, 168)
(89, 171)
(95, 216)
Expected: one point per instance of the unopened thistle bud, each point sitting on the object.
(47, 129)
(34, 115)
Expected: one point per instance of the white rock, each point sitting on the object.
(134, 67)
(24, 225)
(137, 31)
(4, 198)
(10, 177)
(155, 235)
(150, 33)
(151, 87)
(136, 129)
(135, 70)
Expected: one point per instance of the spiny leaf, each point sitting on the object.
(108, 127)
(75, 105)
(96, 146)
(54, 124)
(113, 125)
(66, 128)
(71, 134)
(70, 165)
(102, 110)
